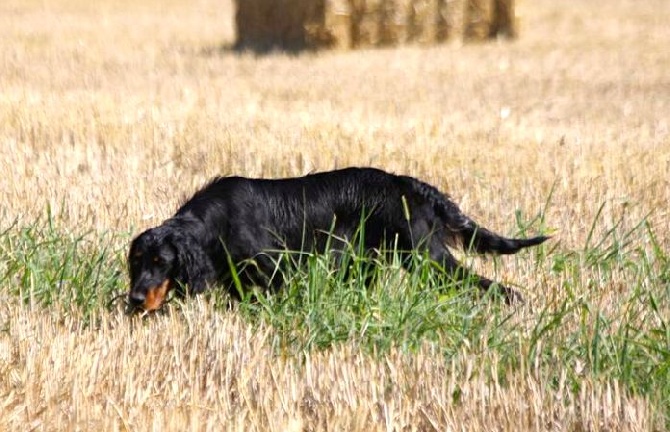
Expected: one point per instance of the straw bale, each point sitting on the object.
(395, 22)
(504, 21)
(424, 21)
(346, 24)
(367, 17)
(284, 24)
(478, 19)
(487, 19)
(453, 12)
(337, 22)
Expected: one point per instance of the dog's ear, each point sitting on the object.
(194, 268)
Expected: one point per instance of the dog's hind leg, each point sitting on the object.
(440, 254)
(431, 240)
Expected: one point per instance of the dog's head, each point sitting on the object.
(164, 258)
(153, 264)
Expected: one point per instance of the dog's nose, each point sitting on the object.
(136, 298)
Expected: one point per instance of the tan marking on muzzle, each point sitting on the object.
(156, 295)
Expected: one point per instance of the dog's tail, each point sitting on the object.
(461, 231)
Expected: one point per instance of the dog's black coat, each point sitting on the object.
(233, 219)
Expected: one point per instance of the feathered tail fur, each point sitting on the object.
(466, 233)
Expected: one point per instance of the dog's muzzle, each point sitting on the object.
(153, 298)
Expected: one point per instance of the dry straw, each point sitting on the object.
(345, 24)
(203, 370)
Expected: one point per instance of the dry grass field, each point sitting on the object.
(112, 111)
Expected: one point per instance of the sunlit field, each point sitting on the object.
(113, 112)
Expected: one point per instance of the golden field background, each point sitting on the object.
(112, 112)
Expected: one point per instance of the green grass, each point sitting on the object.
(583, 331)
(73, 273)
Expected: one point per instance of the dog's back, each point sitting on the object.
(288, 212)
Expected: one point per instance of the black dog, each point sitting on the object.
(234, 219)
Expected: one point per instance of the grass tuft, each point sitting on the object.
(75, 273)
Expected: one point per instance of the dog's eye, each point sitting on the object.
(157, 260)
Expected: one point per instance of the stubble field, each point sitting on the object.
(112, 112)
